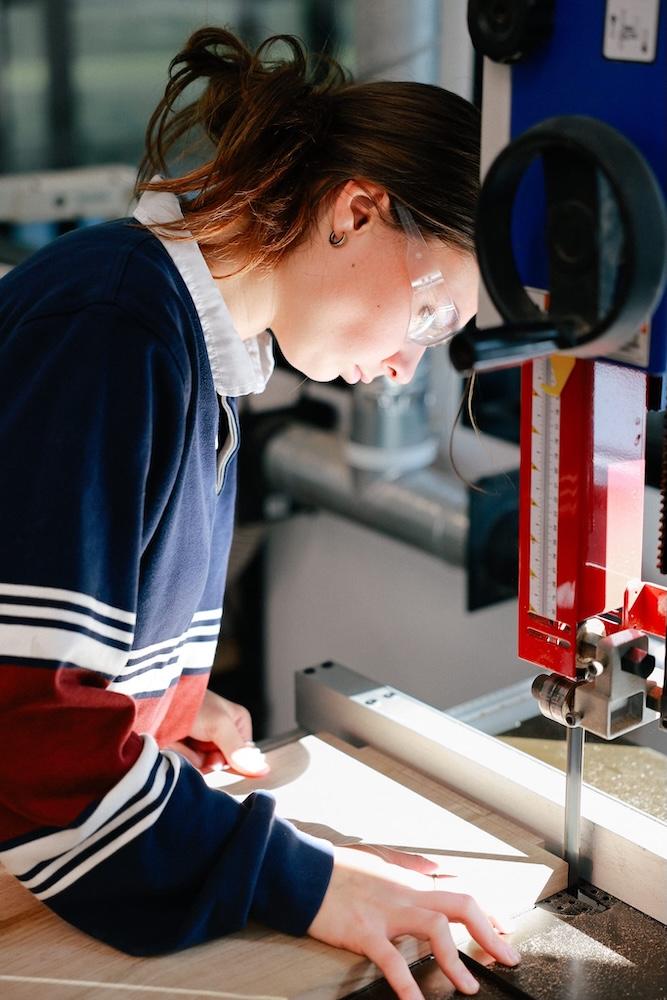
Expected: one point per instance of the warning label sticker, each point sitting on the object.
(631, 30)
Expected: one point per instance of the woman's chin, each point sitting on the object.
(318, 373)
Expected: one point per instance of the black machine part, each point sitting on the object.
(509, 30)
(492, 546)
(597, 300)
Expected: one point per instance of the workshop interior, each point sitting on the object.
(465, 575)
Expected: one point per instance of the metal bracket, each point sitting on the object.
(589, 899)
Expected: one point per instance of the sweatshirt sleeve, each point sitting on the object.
(120, 838)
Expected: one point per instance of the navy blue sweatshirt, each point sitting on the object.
(116, 512)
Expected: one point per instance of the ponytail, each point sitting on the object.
(282, 134)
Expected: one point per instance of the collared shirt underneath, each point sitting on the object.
(239, 367)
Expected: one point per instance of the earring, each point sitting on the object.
(337, 241)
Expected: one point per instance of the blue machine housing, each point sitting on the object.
(570, 75)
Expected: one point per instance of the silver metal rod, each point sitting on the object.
(428, 508)
(573, 782)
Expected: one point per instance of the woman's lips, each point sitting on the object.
(358, 375)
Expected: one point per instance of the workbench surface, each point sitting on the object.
(330, 789)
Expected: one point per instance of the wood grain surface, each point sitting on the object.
(330, 789)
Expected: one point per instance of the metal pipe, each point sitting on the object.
(426, 508)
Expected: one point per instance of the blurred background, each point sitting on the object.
(80, 78)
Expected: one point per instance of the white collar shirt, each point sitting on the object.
(238, 366)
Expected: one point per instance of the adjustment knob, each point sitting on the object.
(509, 30)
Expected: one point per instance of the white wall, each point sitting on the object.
(339, 591)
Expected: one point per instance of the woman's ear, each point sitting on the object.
(357, 206)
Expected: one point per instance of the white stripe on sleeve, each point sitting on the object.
(43, 643)
(125, 838)
(69, 596)
(25, 856)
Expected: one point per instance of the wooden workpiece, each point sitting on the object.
(330, 789)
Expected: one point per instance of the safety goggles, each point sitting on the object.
(433, 316)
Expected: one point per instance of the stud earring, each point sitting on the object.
(337, 241)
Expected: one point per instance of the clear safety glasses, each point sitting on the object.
(433, 316)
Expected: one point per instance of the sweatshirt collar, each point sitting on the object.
(238, 366)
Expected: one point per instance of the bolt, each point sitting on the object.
(593, 670)
(588, 636)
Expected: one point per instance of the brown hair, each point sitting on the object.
(282, 134)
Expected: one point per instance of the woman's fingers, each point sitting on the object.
(463, 909)
(246, 759)
(415, 862)
(427, 925)
(503, 924)
(243, 721)
(227, 726)
(243, 756)
(393, 967)
(369, 903)
(249, 760)
(193, 756)
(453, 967)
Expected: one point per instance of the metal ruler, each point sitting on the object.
(544, 482)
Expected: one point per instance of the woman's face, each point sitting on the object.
(344, 310)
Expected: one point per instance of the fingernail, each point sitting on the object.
(513, 956)
(249, 759)
(470, 982)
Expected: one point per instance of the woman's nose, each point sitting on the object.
(400, 367)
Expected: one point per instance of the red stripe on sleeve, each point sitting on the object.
(65, 741)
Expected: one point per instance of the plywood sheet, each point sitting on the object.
(329, 792)
(428, 787)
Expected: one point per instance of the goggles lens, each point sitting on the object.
(434, 317)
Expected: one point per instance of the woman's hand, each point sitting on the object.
(222, 734)
(369, 903)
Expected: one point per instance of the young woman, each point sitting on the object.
(337, 218)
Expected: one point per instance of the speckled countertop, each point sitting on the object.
(636, 775)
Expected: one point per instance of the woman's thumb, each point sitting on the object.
(240, 754)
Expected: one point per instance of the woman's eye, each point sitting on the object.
(425, 319)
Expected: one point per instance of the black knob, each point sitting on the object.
(508, 30)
